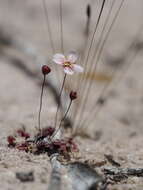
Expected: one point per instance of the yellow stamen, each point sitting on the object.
(67, 64)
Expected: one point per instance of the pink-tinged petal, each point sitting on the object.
(72, 57)
(59, 58)
(68, 71)
(78, 68)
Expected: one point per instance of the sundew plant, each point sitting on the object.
(80, 76)
(80, 53)
(83, 61)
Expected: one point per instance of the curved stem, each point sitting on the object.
(63, 118)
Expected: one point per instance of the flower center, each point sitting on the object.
(67, 64)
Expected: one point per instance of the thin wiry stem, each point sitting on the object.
(82, 54)
(101, 49)
(101, 35)
(49, 31)
(83, 51)
(58, 106)
(90, 85)
(129, 63)
(62, 120)
(106, 87)
(108, 33)
(87, 91)
(86, 62)
(86, 120)
(61, 27)
(91, 44)
(93, 36)
(92, 39)
(48, 26)
(41, 101)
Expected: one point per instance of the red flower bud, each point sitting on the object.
(45, 70)
(73, 95)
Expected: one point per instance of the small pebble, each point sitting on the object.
(25, 176)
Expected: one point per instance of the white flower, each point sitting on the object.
(68, 62)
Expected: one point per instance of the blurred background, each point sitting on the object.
(110, 99)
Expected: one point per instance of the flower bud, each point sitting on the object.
(73, 95)
(45, 70)
(88, 11)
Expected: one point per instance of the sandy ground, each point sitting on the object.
(120, 120)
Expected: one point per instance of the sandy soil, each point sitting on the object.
(120, 120)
